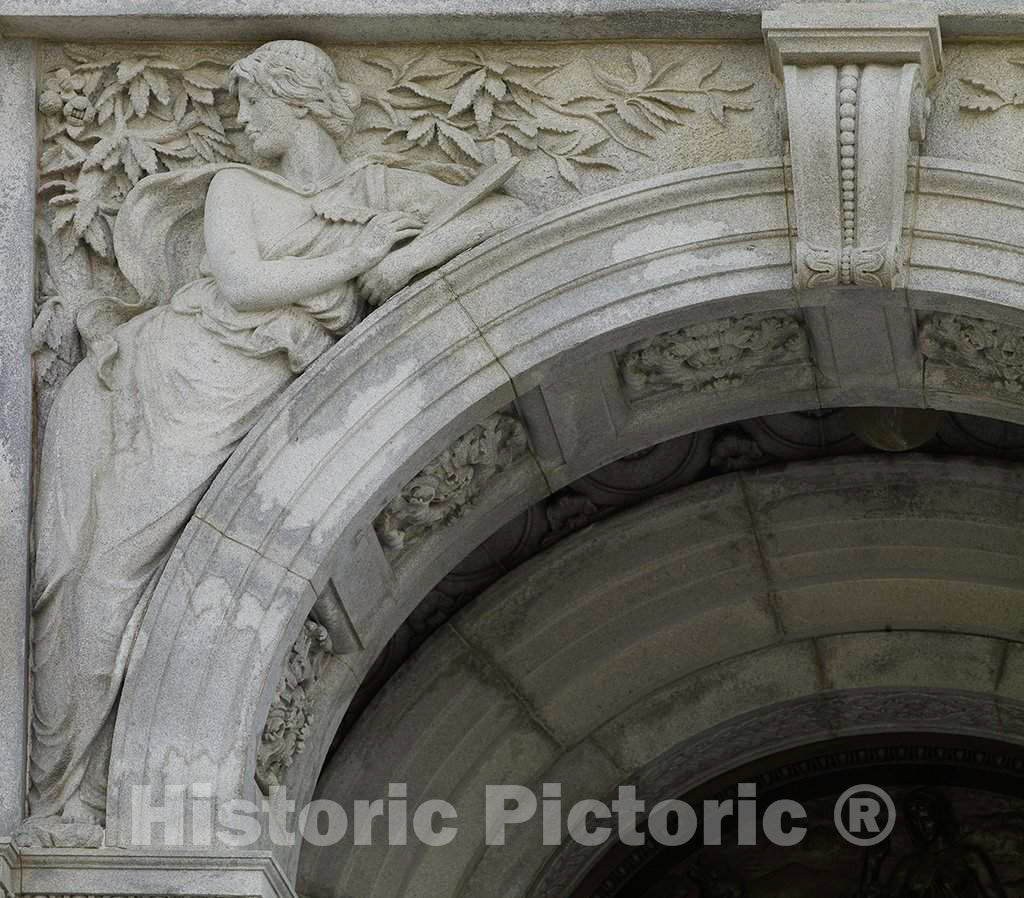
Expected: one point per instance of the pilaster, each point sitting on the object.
(17, 291)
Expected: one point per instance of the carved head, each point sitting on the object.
(290, 79)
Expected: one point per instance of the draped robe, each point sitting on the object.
(141, 426)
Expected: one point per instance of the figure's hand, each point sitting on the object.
(385, 279)
(382, 232)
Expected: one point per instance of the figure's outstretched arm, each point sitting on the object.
(250, 283)
(490, 216)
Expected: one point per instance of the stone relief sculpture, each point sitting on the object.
(940, 864)
(714, 356)
(988, 97)
(992, 352)
(466, 101)
(441, 492)
(174, 378)
(284, 735)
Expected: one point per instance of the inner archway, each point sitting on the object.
(707, 629)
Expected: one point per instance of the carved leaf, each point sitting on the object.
(991, 100)
(53, 160)
(180, 105)
(717, 108)
(128, 69)
(158, 84)
(676, 99)
(519, 139)
(199, 94)
(465, 94)
(633, 118)
(522, 100)
(131, 165)
(82, 52)
(729, 87)
(208, 116)
(421, 129)
(495, 87)
(138, 91)
(708, 71)
(595, 163)
(104, 150)
(642, 69)
(201, 147)
(144, 154)
(483, 111)
(182, 149)
(567, 171)
(382, 62)
(63, 217)
(95, 237)
(502, 151)
(660, 75)
(461, 139)
(659, 111)
(197, 80)
(424, 92)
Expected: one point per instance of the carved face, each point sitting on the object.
(269, 121)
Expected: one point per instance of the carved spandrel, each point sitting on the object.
(240, 278)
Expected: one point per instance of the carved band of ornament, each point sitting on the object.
(991, 351)
(443, 491)
(718, 355)
(93, 895)
(111, 116)
(849, 85)
(287, 727)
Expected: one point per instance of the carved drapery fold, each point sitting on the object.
(856, 81)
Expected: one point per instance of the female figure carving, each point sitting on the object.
(293, 254)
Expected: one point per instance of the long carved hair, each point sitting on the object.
(304, 76)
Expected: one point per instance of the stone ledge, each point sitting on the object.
(140, 873)
(361, 21)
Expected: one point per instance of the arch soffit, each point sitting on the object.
(543, 316)
(742, 616)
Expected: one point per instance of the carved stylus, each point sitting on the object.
(487, 181)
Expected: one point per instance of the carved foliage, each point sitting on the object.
(816, 266)
(994, 352)
(112, 117)
(288, 722)
(476, 103)
(446, 487)
(990, 97)
(714, 356)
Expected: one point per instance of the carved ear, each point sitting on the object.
(300, 111)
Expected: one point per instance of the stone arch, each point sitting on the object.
(705, 629)
(543, 317)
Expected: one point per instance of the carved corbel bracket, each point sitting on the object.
(856, 79)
